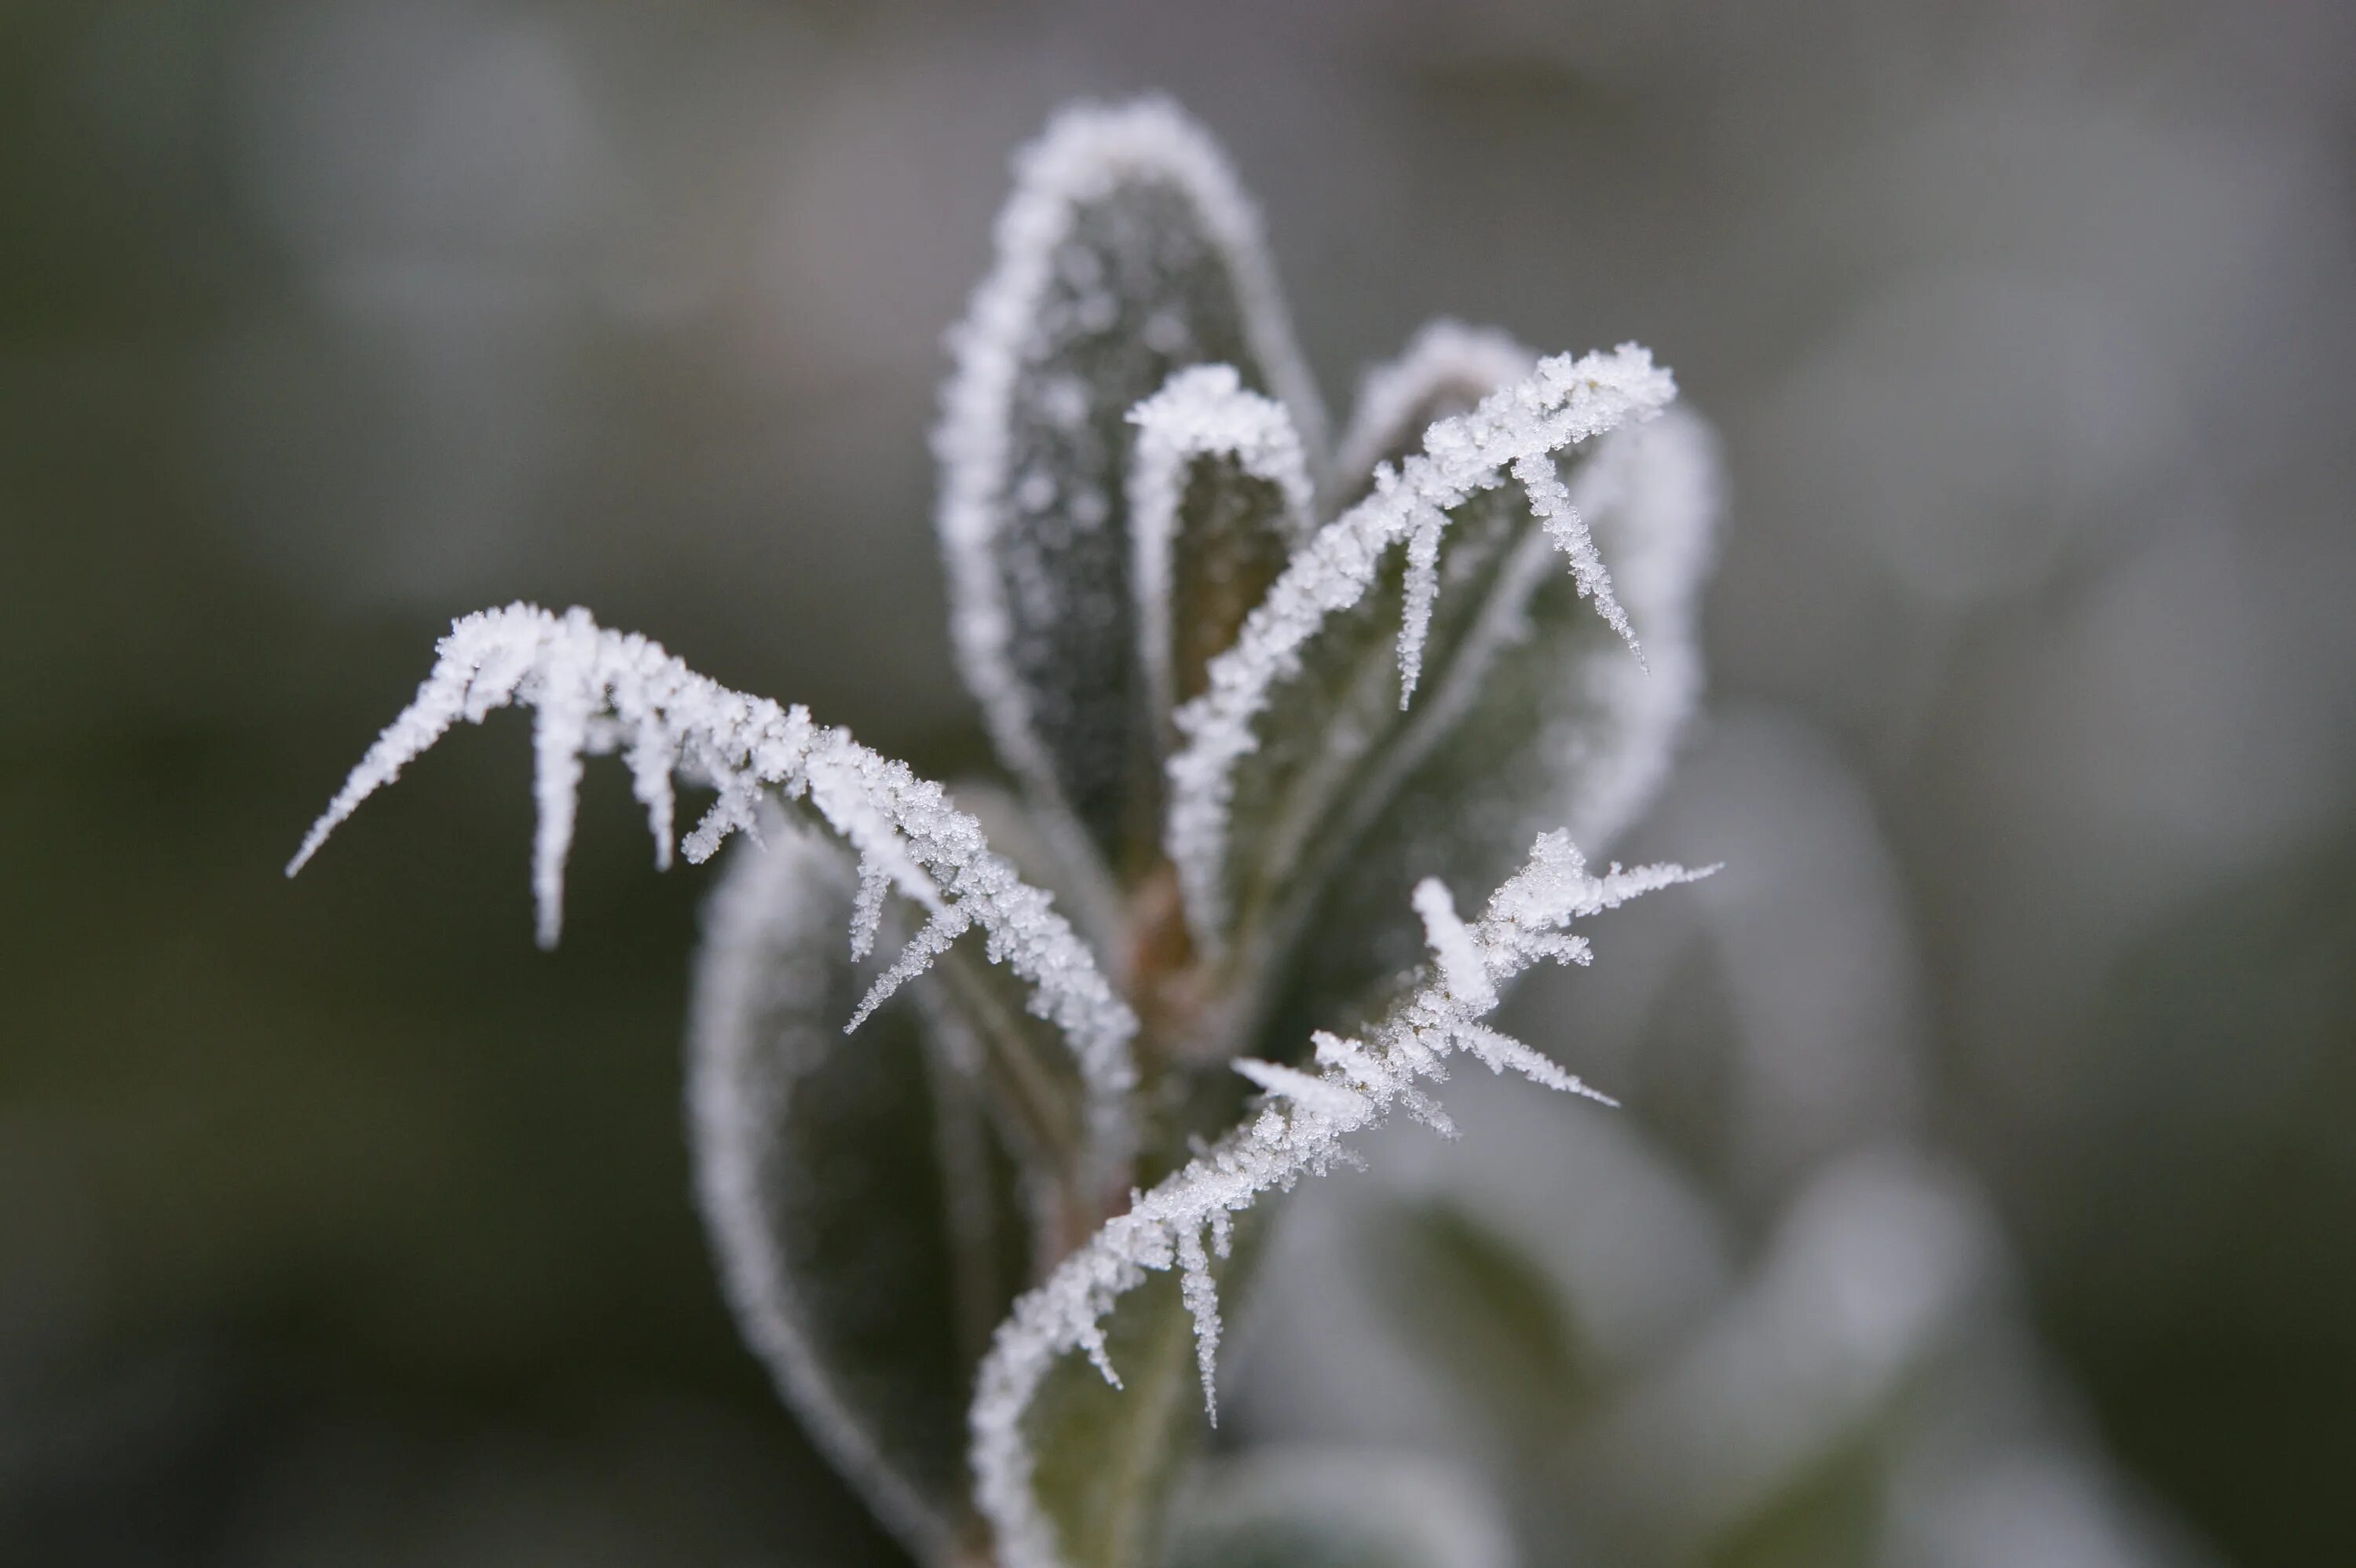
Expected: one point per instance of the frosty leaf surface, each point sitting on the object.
(1106, 1457)
(1560, 727)
(863, 1212)
(1314, 1508)
(1219, 495)
(1307, 729)
(1186, 1222)
(1126, 253)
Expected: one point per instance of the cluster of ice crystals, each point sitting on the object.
(1445, 362)
(595, 691)
(1299, 1130)
(1565, 401)
(1204, 409)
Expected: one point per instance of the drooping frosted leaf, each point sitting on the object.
(597, 690)
(1561, 726)
(1127, 251)
(863, 1212)
(1336, 1507)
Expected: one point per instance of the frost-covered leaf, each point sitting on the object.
(864, 1213)
(1107, 1457)
(1446, 369)
(1335, 1507)
(1186, 1222)
(1560, 727)
(1306, 732)
(1219, 495)
(1127, 251)
(597, 691)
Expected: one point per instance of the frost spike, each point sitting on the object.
(1461, 967)
(1550, 503)
(1522, 925)
(932, 940)
(1291, 1083)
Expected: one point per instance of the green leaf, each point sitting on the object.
(862, 1204)
(1126, 253)
(1219, 493)
(1311, 1507)
(1300, 798)
(1106, 1457)
(1536, 716)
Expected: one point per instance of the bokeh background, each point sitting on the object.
(338, 1224)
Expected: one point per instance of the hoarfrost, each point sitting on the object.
(597, 691)
(1565, 401)
(1446, 362)
(1014, 585)
(1299, 1131)
(1201, 413)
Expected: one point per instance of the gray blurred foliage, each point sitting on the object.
(333, 1226)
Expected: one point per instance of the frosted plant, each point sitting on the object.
(983, 1205)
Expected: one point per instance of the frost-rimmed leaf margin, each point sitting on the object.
(848, 1187)
(1446, 368)
(1539, 719)
(1298, 1130)
(1513, 433)
(1086, 153)
(1203, 412)
(595, 691)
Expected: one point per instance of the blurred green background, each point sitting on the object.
(338, 1224)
